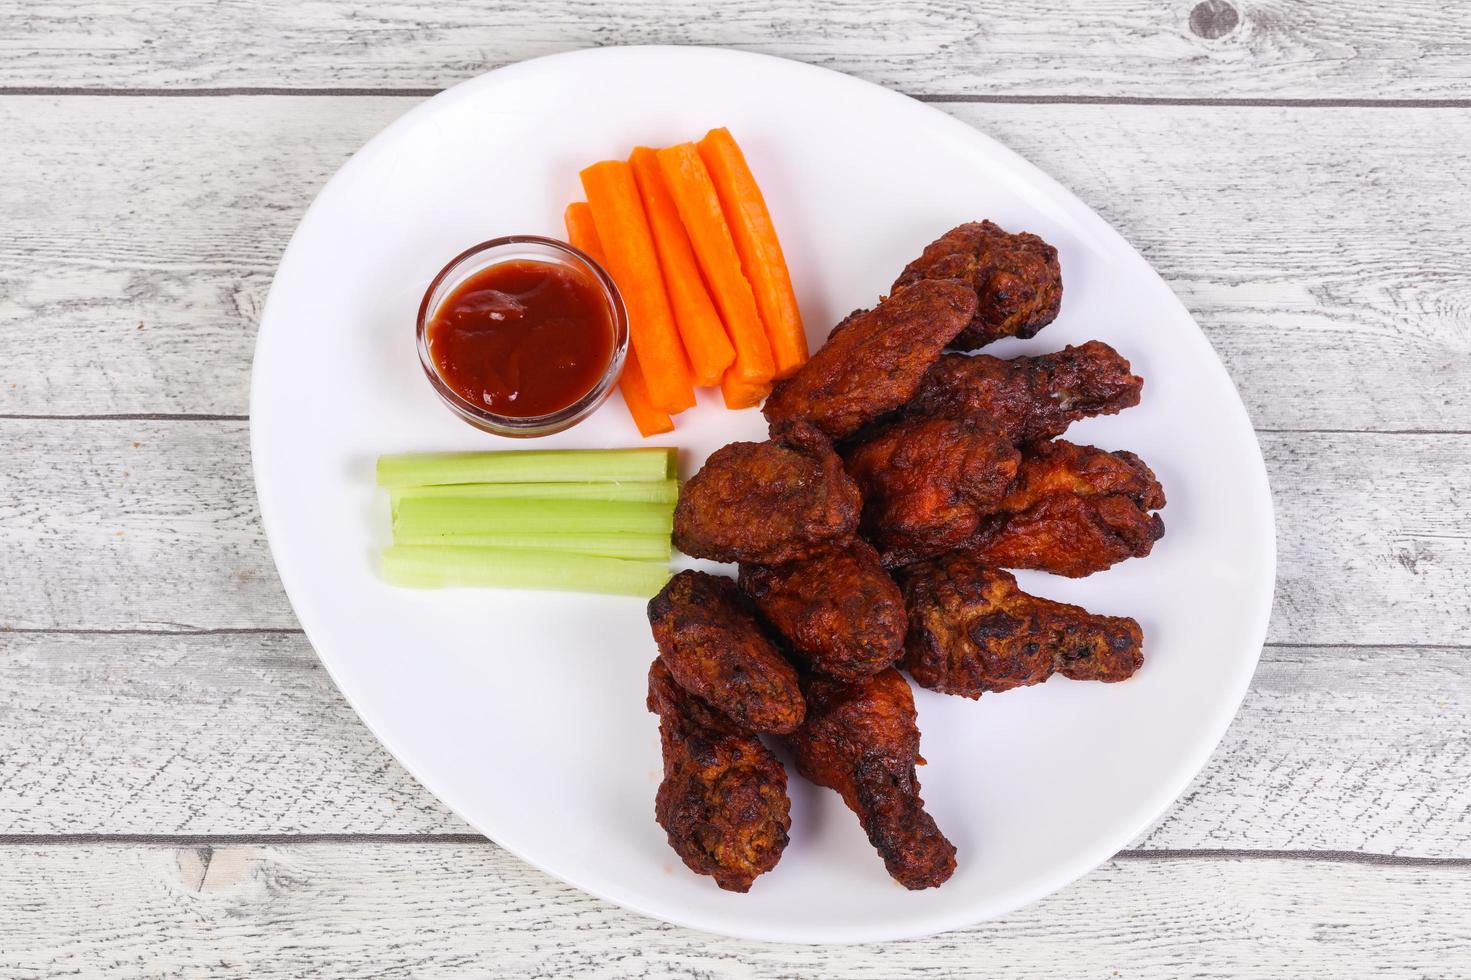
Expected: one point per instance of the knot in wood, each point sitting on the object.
(1212, 19)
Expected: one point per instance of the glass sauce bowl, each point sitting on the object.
(522, 249)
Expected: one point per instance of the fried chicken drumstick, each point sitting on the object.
(971, 630)
(1028, 398)
(1016, 279)
(1073, 511)
(723, 801)
(767, 502)
(860, 739)
(839, 610)
(873, 361)
(712, 644)
(927, 483)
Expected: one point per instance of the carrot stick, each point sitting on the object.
(628, 247)
(582, 233)
(742, 394)
(759, 249)
(699, 208)
(650, 419)
(705, 341)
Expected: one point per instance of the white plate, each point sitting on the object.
(523, 711)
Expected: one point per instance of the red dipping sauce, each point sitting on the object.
(523, 338)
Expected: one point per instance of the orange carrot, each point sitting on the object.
(759, 249)
(628, 247)
(699, 208)
(742, 394)
(650, 419)
(582, 232)
(705, 341)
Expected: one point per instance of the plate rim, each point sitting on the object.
(1151, 807)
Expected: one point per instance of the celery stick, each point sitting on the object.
(436, 568)
(635, 547)
(460, 515)
(525, 466)
(648, 491)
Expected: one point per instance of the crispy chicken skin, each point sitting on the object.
(1073, 511)
(860, 738)
(839, 611)
(767, 502)
(927, 483)
(723, 801)
(971, 630)
(873, 361)
(1028, 398)
(712, 644)
(1062, 467)
(1015, 277)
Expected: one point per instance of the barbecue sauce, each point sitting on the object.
(523, 338)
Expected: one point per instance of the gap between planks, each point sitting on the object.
(196, 417)
(296, 840)
(127, 417)
(423, 93)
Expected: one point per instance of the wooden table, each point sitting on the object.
(184, 793)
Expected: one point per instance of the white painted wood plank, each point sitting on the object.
(1130, 48)
(1323, 252)
(127, 523)
(1372, 540)
(223, 734)
(1341, 749)
(401, 910)
(139, 288)
(133, 524)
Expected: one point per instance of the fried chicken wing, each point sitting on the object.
(927, 483)
(767, 502)
(1073, 511)
(860, 738)
(1028, 398)
(840, 612)
(873, 361)
(710, 640)
(972, 630)
(1016, 279)
(1062, 467)
(723, 801)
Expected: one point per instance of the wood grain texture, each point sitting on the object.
(1350, 748)
(1345, 749)
(1113, 48)
(133, 524)
(461, 910)
(1322, 249)
(126, 524)
(1343, 306)
(139, 289)
(225, 734)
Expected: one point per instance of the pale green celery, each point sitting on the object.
(634, 547)
(647, 491)
(447, 567)
(418, 516)
(525, 466)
